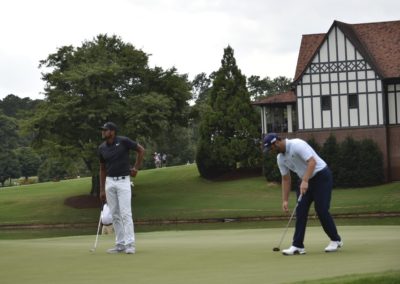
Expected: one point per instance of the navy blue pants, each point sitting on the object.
(319, 191)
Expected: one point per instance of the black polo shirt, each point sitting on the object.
(116, 156)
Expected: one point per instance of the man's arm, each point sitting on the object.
(311, 163)
(102, 177)
(139, 160)
(286, 185)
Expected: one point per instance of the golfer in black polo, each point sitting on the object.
(115, 185)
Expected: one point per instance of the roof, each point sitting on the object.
(281, 98)
(308, 47)
(377, 42)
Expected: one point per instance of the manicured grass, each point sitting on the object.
(179, 193)
(218, 256)
(43, 203)
(238, 252)
(387, 277)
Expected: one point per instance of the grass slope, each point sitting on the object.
(179, 193)
(223, 256)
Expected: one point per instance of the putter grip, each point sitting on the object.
(300, 197)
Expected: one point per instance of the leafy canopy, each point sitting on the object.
(103, 80)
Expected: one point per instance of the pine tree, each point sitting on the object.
(228, 130)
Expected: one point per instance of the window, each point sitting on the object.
(326, 103)
(353, 101)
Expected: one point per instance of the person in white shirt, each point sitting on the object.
(316, 186)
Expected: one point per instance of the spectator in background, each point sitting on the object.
(157, 160)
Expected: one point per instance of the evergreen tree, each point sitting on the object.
(228, 130)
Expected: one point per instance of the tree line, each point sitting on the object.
(107, 79)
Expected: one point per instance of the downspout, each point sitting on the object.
(386, 124)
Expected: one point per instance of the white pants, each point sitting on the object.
(118, 193)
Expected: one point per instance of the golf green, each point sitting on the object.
(214, 256)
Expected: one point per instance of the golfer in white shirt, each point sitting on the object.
(316, 186)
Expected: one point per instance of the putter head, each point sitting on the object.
(276, 249)
(92, 250)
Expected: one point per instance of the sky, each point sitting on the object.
(189, 35)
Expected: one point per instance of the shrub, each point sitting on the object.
(359, 163)
(208, 163)
(271, 170)
(329, 153)
(313, 143)
(371, 164)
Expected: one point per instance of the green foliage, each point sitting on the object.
(29, 161)
(371, 164)
(228, 130)
(259, 88)
(271, 169)
(314, 144)
(353, 163)
(201, 87)
(52, 169)
(9, 165)
(8, 132)
(349, 156)
(17, 107)
(329, 153)
(103, 80)
(86, 87)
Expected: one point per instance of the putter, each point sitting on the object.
(97, 235)
(278, 248)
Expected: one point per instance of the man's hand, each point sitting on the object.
(134, 172)
(285, 206)
(303, 187)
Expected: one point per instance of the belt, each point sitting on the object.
(118, 178)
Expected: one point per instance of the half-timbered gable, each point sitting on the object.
(339, 86)
(346, 83)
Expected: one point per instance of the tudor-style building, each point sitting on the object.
(347, 83)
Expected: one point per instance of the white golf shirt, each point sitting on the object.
(296, 156)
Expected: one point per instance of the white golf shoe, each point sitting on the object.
(130, 249)
(116, 249)
(293, 250)
(333, 246)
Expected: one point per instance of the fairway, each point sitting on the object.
(216, 256)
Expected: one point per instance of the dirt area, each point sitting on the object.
(239, 174)
(83, 201)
